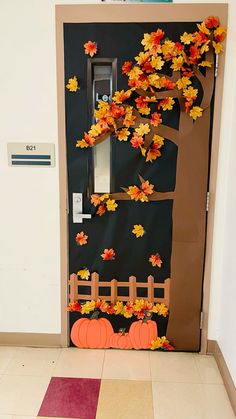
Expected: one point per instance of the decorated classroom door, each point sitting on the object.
(137, 180)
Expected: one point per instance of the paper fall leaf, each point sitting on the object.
(126, 67)
(75, 306)
(136, 194)
(90, 48)
(142, 129)
(166, 104)
(205, 64)
(108, 254)
(84, 273)
(196, 112)
(187, 38)
(95, 199)
(73, 84)
(161, 343)
(138, 230)
(141, 194)
(156, 119)
(218, 47)
(81, 238)
(183, 82)
(88, 307)
(111, 205)
(161, 309)
(87, 141)
(212, 22)
(136, 141)
(101, 210)
(202, 28)
(122, 134)
(147, 187)
(155, 260)
(220, 33)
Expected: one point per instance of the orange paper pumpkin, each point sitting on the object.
(94, 333)
(142, 333)
(121, 340)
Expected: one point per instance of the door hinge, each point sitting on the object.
(216, 65)
(207, 201)
(201, 319)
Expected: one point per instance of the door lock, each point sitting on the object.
(78, 208)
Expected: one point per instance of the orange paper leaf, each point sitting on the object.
(155, 260)
(101, 210)
(108, 254)
(90, 48)
(81, 238)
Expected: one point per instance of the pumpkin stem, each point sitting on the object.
(122, 331)
(148, 316)
(95, 315)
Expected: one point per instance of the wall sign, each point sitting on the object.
(31, 154)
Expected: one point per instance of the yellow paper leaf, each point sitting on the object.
(157, 62)
(190, 93)
(157, 139)
(177, 63)
(122, 134)
(143, 151)
(196, 112)
(138, 230)
(205, 47)
(82, 144)
(84, 273)
(111, 205)
(88, 307)
(73, 84)
(202, 28)
(183, 82)
(154, 80)
(142, 58)
(187, 38)
(218, 47)
(205, 64)
(104, 196)
(142, 129)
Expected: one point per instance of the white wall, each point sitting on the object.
(29, 211)
(29, 257)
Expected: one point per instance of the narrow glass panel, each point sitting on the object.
(102, 167)
(102, 90)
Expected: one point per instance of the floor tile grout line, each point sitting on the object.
(198, 369)
(186, 382)
(32, 375)
(149, 356)
(19, 416)
(151, 382)
(27, 375)
(103, 362)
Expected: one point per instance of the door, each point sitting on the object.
(136, 223)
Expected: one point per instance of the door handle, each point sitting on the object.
(78, 217)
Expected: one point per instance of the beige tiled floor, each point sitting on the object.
(126, 365)
(74, 362)
(135, 384)
(122, 399)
